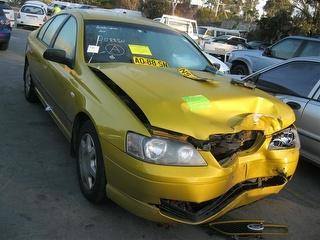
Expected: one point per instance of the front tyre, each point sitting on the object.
(90, 164)
(29, 90)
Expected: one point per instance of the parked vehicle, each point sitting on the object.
(221, 66)
(297, 83)
(8, 11)
(258, 45)
(206, 32)
(32, 15)
(245, 62)
(223, 45)
(185, 25)
(151, 124)
(5, 31)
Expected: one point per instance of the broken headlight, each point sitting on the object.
(163, 151)
(287, 138)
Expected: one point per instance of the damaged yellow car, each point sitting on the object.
(152, 124)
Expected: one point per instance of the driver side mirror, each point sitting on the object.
(267, 52)
(58, 56)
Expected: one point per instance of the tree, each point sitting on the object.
(277, 21)
(129, 4)
(307, 16)
(156, 8)
(249, 9)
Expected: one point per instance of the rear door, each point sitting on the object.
(38, 65)
(62, 80)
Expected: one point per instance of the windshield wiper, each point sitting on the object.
(247, 84)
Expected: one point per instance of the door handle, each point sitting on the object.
(294, 105)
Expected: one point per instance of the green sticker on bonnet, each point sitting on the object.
(197, 102)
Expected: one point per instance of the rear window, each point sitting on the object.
(5, 6)
(312, 48)
(32, 10)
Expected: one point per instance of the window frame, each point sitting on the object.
(296, 53)
(46, 24)
(256, 78)
(304, 45)
(55, 36)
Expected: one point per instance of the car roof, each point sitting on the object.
(109, 15)
(308, 59)
(303, 38)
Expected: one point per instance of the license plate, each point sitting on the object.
(150, 62)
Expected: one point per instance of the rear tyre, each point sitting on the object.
(239, 69)
(29, 90)
(90, 164)
(4, 46)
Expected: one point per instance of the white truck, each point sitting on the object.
(186, 25)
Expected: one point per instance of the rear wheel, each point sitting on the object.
(29, 90)
(239, 69)
(4, 46)
(90, 165)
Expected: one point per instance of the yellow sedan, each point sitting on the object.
(152, 124)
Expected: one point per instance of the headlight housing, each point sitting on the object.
(163, 151)
(287, 138)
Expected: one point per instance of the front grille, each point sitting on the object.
(196, 212)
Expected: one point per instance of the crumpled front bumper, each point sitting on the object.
(165, 194)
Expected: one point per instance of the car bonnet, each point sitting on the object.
(174, 102)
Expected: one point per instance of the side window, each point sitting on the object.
(286, 49)
(295, 78)
(312, 48)
(44, 28)
(53, 27)
(66, 39)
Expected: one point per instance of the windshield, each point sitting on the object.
(32, 10)
(5, 6)
(202, 30)
(122, 42)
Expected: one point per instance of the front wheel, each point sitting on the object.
(90, 165)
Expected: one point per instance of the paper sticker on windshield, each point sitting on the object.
(150, 62)
(140, 50)
(197, 102)
(93, 49)
(188, 74)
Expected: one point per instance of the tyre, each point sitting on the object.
(239, 69)
(90, 164)
(29, 90)
(4, 46)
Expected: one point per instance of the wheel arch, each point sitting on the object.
(243, 62)
(79, 119)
